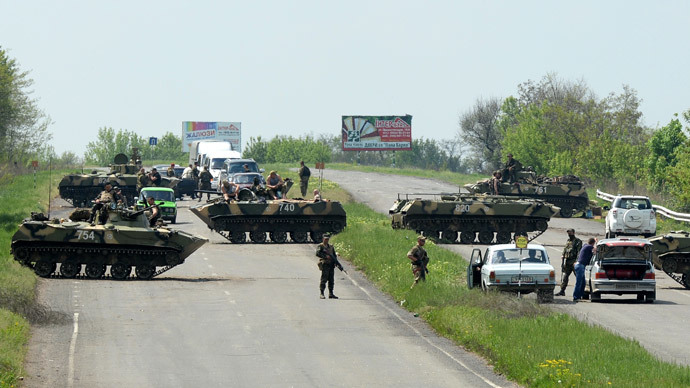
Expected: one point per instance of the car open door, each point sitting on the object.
(474, 269)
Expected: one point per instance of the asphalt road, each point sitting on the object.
(660, 327)
(239, 315)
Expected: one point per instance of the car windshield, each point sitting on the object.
(239, 167)
(634, 203)
(157, 195)
(246, 178)
(511, 256)
(217, 163)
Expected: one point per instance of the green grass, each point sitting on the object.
(17, 296)
(527, 342)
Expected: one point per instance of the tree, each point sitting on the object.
(23, 126)
(479, 129)
(663, 147)
(110, 143)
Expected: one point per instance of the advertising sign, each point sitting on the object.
(212, 130)
(377, 133)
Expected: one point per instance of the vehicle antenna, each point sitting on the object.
(50, 182)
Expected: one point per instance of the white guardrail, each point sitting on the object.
(659, 209)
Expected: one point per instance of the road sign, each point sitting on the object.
(34, 163)
(320, 166)
(153, 141)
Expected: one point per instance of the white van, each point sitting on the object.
(213, 161)
(201, 147)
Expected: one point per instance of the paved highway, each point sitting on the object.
(240, 315)
(660, 327)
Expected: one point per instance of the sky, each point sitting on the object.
(295, 67)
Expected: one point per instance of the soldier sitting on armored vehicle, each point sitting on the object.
(496, 182)
(155, 212)
(275, 184)
(229, 190)
(511, 167)
(105, 197)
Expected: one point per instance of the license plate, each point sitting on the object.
(523, 279)
(633, 231)
(626, 286)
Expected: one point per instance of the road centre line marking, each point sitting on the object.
(227, 293)
(72, 347)
(206, 258)
(419, 334)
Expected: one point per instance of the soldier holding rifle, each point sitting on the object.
(419, 259)
(328, 261)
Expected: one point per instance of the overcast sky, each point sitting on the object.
(294, 68)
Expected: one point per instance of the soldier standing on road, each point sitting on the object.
(419, 259)
(205, 178)
(171, 170)
(304, 174)
(328, 260)
(568, 259)
(142, 180)
(511, 167)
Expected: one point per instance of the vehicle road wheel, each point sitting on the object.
(238, 237)
(545, 296)
(95, 271)
(541, 225)
(257, 237)
(596, 297)
(503, 237)
(585, 295)
(432, 234)
(467, 237)
(174, 220)
(450, 235)
(669, 265)
(70, 270)
(486, 237)
(120, 271)
(686, 280)
(44, 269)
(640, 297)
(144, 271)
(566, 212)
(299, 237)
(650, 297)
(278, 236)
(316, 237)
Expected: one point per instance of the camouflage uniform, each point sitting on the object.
(419, 265)
(205, 183)
(327, 263)
(104, 197)
(171, 172)
(142, 181)
(304, 174)
(570, 252)
(510, 168)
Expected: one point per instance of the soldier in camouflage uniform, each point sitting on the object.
(511, 167)
(171, 170)
(142, 180)
(328, 261)
(105, 197)
(205, 178)
(304, 174)
(568, 259)
(419, 259)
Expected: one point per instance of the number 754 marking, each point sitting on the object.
(84, 235)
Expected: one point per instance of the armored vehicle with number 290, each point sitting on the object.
(471, 216)
(125, 240)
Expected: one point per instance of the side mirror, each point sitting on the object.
(261, 170)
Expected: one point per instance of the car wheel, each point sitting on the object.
(545, 296)
(585, 295)
(640, 297)
(174, 220)
(650, 297)
(596, 297)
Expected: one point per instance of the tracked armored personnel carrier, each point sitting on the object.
(671, 253)
(298, 219)
(486, 218)
(124, 241)
(80, 189)
(567, 192)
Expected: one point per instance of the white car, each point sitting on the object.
(621, 266)
(505, 267)
(631, 215)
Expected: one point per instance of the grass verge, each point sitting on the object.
(18, 306)
(525, 341)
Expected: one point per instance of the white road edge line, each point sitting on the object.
(72, 348)
(419, 334)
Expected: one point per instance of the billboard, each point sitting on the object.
(211, 130)
(377, 133)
